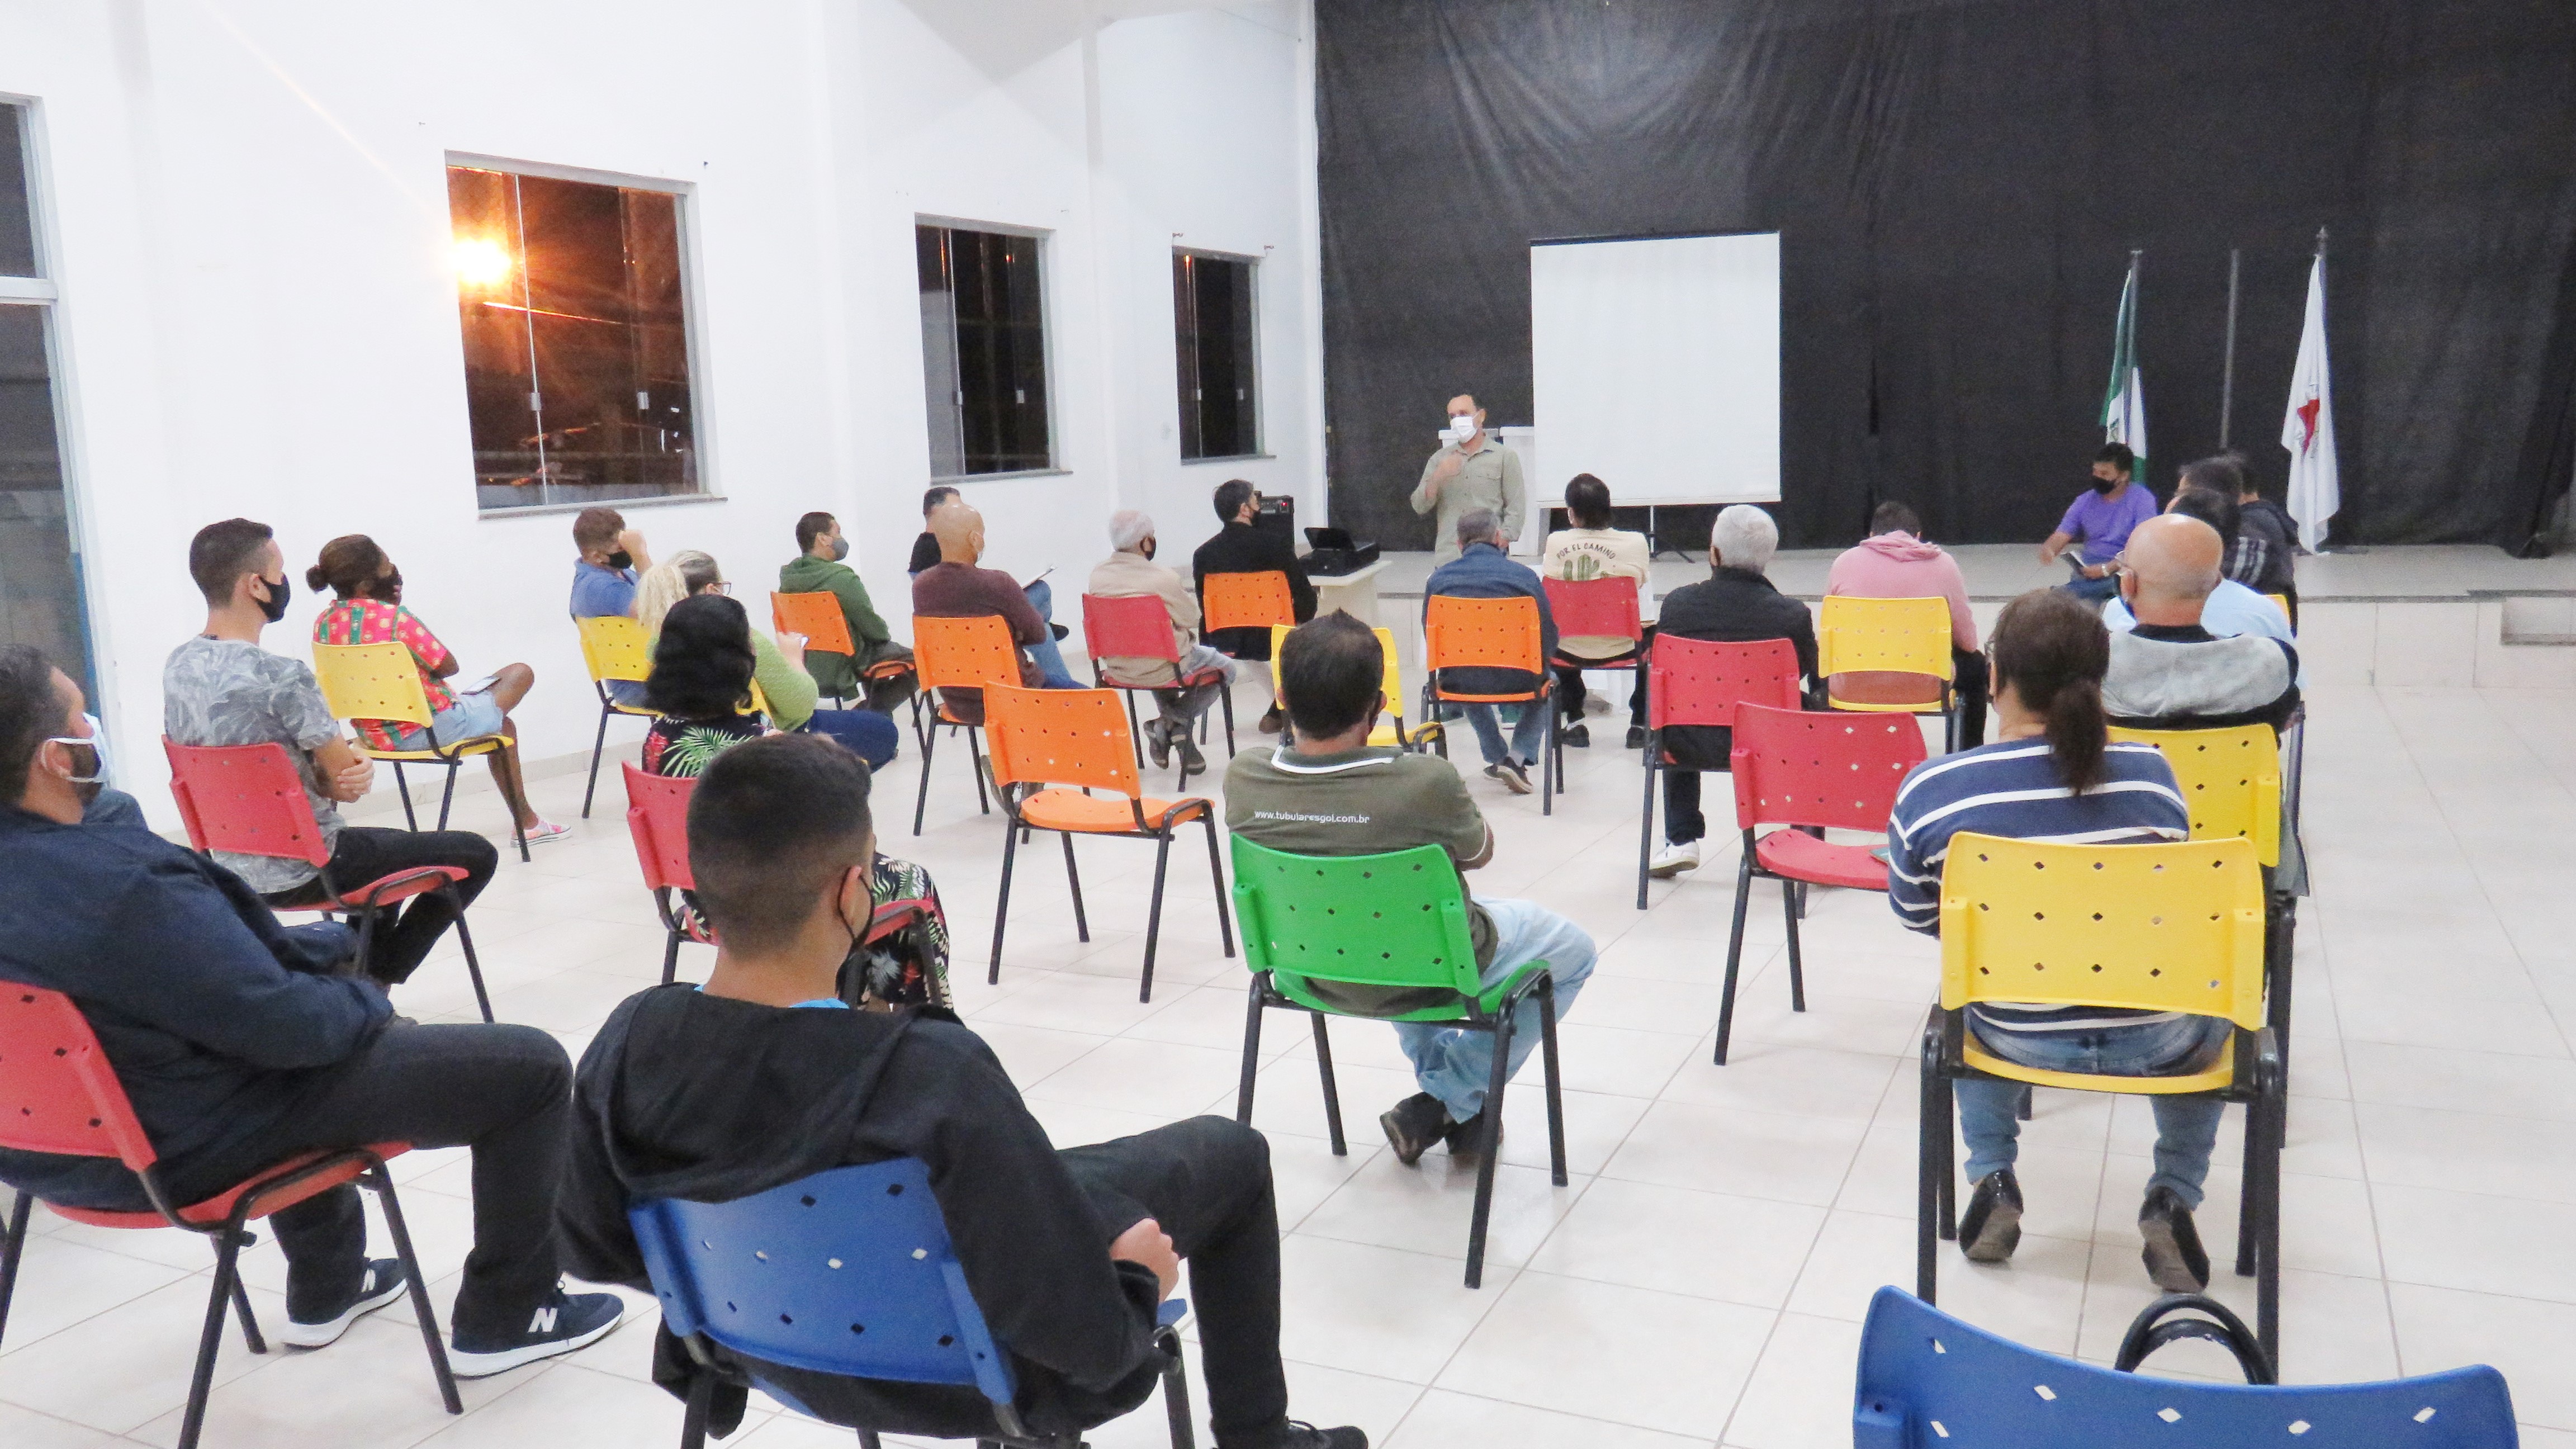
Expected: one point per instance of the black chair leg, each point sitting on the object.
(1546, 757)
(921, 796)
(1073, 879)
(1135, 733)
(13, 1246)
(381, 1179)
(1216, 873)
(693, 1424)
(1332, 1090)
(1734, 950)
(473, 963)
(1933, 1131)
(1154, 913)
(670, 957)
(210, 1342)
(1176, 1390)
(868, 1440)
(1225, 698)
(1491, 1148)
(410, 821)
(242, 1314)
(1646, 822)
(1254, 1006)
(447, 798)
(1002, 906)
(1555, 1092)
(598, 746)
(1789, 893)
(975, 748)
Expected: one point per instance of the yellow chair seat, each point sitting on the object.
(2217, 1079)
(1862, 706)
(481, 745)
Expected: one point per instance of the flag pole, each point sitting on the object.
(2227, 382)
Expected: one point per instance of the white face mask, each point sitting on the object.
(1462, 426)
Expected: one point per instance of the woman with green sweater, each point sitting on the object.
(778, 666)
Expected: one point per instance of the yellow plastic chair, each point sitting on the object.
(1384, 734)
(1896, 636)
(2148, 927)
(2282, 603)
(613, 649)
(382, 681)
(760, 705)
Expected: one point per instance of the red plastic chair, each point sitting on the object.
(59, 1094)
(1816, 770)
(1602, 608)
(250, 799)
(1700, 682)
(1139, 626)
(1060, 745)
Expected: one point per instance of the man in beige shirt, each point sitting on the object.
(1471, 471)
(1202, 672)
(1592, 549)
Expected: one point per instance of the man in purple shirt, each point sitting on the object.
(2101, 521)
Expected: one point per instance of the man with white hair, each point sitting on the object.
(1202, 672)
(1735, 604)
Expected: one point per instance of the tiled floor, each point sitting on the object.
(1702, 1278)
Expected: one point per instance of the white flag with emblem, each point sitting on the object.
(2307, 428)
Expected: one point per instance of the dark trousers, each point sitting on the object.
(1571, 694)
(404, 934)
(1968, 687)
(504, 1091)
(1207, 1181)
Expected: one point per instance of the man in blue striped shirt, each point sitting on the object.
(2054, 775)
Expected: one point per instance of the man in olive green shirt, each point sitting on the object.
(818, 569)
(1332, 794)
(1472, 470)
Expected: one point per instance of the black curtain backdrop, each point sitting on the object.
(1958, 184)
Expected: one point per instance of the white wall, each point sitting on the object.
(247, 205)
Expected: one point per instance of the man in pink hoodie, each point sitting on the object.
(1895, 563)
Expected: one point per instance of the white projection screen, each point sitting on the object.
(1656, 367)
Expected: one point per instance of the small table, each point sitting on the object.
(1353, 593)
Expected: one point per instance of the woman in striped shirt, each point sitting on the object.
(2054, 775)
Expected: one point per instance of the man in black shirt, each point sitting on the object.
(763, 1077)
(1735, 604)
(925, 549)
(1240, 548)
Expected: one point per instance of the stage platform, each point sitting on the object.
(2432, 615)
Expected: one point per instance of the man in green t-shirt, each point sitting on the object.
(1332, 794)
(817, 569)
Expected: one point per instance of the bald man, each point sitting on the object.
(955, 588)
(1470, 471)
(2170, 673)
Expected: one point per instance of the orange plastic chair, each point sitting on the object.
(1060, 745)
(958, 654)
(1139, 626)
(818, 617)
(1491, 634)
(1246, 601)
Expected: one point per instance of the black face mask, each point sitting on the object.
(1149, 548)
(273, 608)
(389, 588)
(2105, 485)
(621, 560)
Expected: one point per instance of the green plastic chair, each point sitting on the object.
(1393, 920)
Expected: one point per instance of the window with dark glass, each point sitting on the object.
(573, 298)
(983, 351)
(40, 563)
(1212, 316)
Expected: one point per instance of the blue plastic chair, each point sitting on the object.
(847, 1272)
(1928, 1379)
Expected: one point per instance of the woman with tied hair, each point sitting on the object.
(703, 658)
(2053, 774)
(370, 610)
(778, 666)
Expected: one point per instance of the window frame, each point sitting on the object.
(1259, 384)
(702, 420)
(1056, 466)
(44, 292)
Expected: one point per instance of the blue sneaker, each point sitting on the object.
(382, 1284)
(561, 1323)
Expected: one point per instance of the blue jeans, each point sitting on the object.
(2186, 1127)
(1050, 659)
(626, 691)
(2093, 591)
(863, 732)
(1527, 734)
(1455, 1064)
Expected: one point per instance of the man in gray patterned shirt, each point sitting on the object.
(221, 688)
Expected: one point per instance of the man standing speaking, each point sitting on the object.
(1470, 471)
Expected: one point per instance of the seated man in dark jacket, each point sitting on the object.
(239, 1050)
(1240, 548)
(1735, 604)
(762, 1078)
(2171, 673)
(1483, 571)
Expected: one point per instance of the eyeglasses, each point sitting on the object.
(722, 586)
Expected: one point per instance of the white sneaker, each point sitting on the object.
(543, 831)
(1672, 859)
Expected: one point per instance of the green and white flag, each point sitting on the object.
(2124, 403)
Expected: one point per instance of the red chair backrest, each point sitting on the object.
(1796, 767)
(657, 815)
(1701, 681)
(57, 1092)
(1130, 626)
(245, 798)
(1595, 608)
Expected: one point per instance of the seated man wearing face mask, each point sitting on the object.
(2101, 520)
(819, 570)
(1471, 471)
(603, 578)
(1131, 572)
